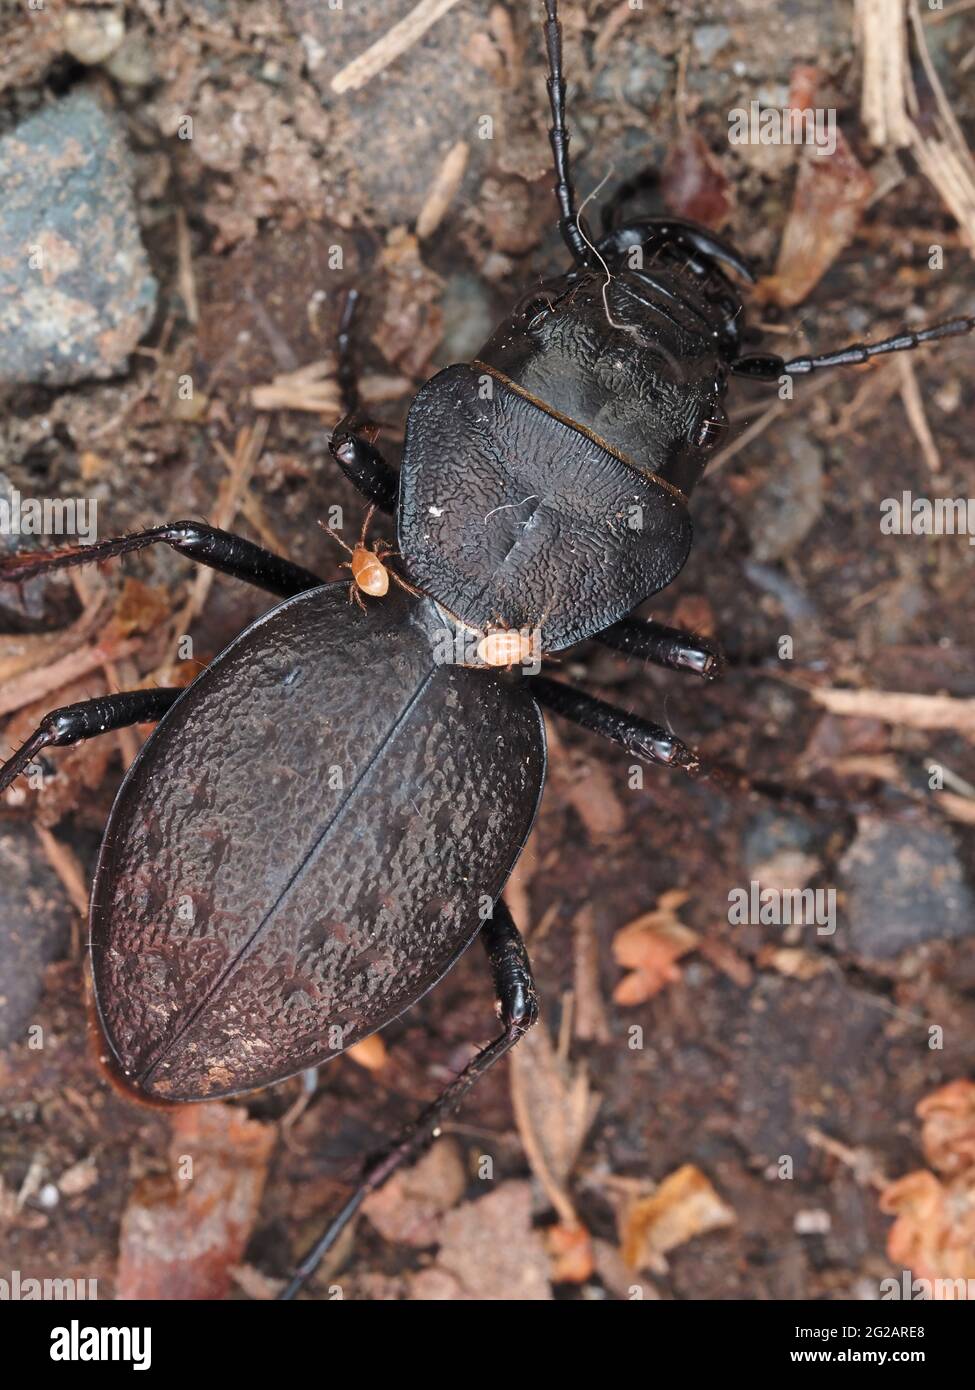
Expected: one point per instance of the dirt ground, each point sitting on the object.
(714, 1110)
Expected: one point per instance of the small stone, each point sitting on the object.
(816, 1222)
(76, 292)
(467, 320)
(904, 886)
(91, 36)
(709, 39)
(772, 838)
(787, 506)
(132, 63)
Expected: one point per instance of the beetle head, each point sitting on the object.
(634, 357)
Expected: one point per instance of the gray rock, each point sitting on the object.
(76, 293)
(467, 319)
(402, 123)
(787, 506)
(904, 886)
(709, 40)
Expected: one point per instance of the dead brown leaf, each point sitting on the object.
(370, 1053)
(685, 1205)
(934, 1231)
(726, 959)
(831, 194)
(948, 1132)
(570, 1250)
(489, 1250)
(412, 321)
(182, 1234)
(408, 1208)
(588, 787)
(140, 608)
(793, 962)
(649, 947)
(694, 184)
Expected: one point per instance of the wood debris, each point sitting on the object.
(444, 188)
(554, 1108)
(890, 106)
(393, 44)
(901, 707)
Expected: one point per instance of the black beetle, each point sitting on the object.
(238, 937)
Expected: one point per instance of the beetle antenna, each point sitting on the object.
(558, 135)
(762, 367)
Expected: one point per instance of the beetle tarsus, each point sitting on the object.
(650, 742)
(665, 646)
(364, 465)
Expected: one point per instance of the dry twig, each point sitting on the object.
(393, 44)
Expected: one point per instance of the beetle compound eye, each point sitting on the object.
(535, 308)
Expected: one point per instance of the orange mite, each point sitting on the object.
(506, 648)
(369, 574)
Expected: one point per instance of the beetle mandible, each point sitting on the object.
(543, 495)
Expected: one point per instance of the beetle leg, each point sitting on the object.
(517, 1005)
(664, 646)
(221, 550)
(72, 723)
(638, 736)
(359, 459)
(364, 466)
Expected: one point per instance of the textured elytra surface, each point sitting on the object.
(304, 843)
(512, 518)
